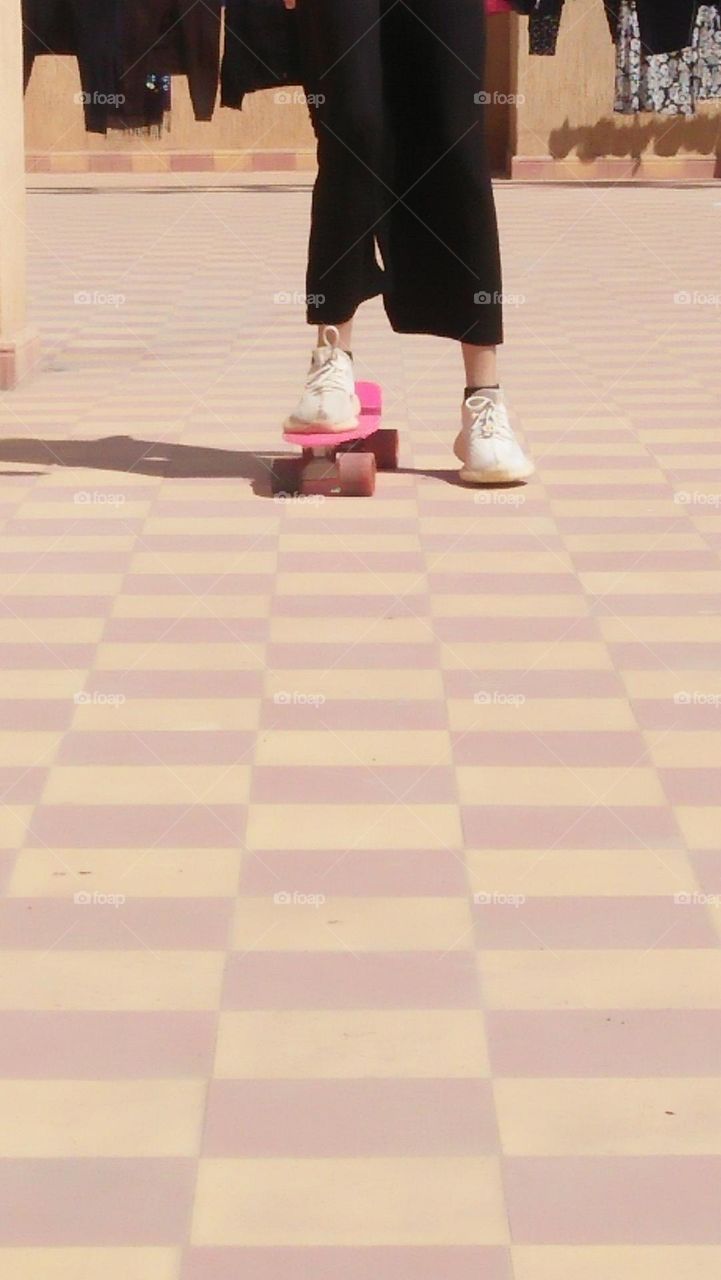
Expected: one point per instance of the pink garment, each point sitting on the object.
(498, 6)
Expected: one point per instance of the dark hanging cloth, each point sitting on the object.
(88, 30)
(545, 21)
(127, 50)
(163, 38)
(262, 49)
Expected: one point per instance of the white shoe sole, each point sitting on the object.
(318, 428)
(497, 477)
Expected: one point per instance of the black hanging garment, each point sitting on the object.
(163, 38)
(127, 50)
(90, 31)
(262, 49)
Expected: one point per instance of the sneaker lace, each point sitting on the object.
(329, 376)
(487, 421)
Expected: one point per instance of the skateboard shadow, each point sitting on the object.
(159, 458)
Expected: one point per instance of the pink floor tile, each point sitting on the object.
(411, 873)
(317, 980)
(605, 1042)
(95, 1202)
(368, 1263)
(342, 784)
(596, 748)
(157, 923)
(55, 1045)
(609, 1200)
(515, 827)
(596, 923)
(319, 1118)
(170, 747)
(120, 826)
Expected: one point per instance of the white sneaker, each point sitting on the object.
(487, 446)
(329, 401)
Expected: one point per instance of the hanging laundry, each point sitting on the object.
(545, 22)
(671, 83)
(88, 31)
(127, 50)
(262, 49)
(163, 38)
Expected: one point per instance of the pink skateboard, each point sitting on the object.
(342, 464)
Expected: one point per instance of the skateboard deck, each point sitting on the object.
(344, 463)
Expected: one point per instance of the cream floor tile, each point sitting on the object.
(394, 826)
(162, 656)
(395, 685)
(637, 1262)
(44, 685)
(541, 714)
(354, 543)
(28, 748)
(137, 873)
(503, 562)
(349, 1202)
(559, 785)
(686, 748)
(132, 1262)
(623, 1117)
(148, 784)
(661, 630)
(351, 748)
(110, 979)
(154, 715)
(82, 1118)
(66, 584)
(357, 583)
(561, 873)
(696, 582)
(14, 825)
(525, 606)
(544, 655)
(700, 826)
(50, 631)
(673, 685)
(353, 924)
(352, 1044)
(656, 979)
(351, 631)
(185, 564)
(186, 606)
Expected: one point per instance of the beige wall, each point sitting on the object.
(566, 113)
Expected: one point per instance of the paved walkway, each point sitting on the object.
(342, 842)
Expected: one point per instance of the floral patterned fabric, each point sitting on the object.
(669, 83)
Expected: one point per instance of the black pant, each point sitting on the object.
(402, 161)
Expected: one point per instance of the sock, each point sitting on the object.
(471, 391)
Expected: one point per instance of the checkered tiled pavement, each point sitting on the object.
(342, 842)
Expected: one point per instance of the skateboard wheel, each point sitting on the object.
(285, 477)
(357, 474)
(384, 447)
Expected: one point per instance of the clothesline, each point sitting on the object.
(668, 52)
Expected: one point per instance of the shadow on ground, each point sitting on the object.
(158, 458)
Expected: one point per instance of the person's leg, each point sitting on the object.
(340, 46)
(440, 240)
(441, 235)
(342, 76)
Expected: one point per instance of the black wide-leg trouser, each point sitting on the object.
(395, 90)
